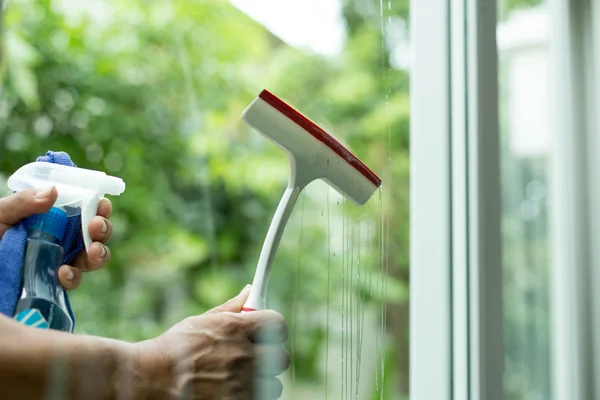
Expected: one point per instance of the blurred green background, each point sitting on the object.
(153, 92)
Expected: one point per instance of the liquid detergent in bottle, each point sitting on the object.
(42, 302)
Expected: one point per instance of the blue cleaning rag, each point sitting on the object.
(12, 250)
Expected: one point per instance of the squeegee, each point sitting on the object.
(313, 154)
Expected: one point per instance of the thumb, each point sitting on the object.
(21, 205)
(233, 305)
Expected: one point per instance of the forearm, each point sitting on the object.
(41, 364)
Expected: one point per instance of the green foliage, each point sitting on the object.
(153, 93)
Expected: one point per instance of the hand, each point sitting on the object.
(21, 205)
(220, 355)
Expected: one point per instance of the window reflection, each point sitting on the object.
(523, 43)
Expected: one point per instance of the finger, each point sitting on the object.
(233, 305)
(100, 229)
(24, 204)
(266, 326)
(268, 388)
(97, 258)
(271, 360)
(69, 277)
(104, 208)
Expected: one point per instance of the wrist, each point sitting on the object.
(103, 369)
(127, 379)
(152, 371)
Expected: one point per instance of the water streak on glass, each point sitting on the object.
(341, 333)
(363, 286)
(353, 244)
(344, 288)
(328, 297)
(349, 308)
(296, 289)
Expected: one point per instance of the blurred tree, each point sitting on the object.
(152, 92)
(120, 97)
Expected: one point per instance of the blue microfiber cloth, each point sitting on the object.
(12, 250)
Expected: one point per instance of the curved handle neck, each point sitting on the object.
(301, 174)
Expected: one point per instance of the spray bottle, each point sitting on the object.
(42, 302)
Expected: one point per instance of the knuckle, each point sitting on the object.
(230, 323)
(240, 387)
(21, 196)
(10, 203)
(106, 257)
(276, 318)
(109, 228)
(237, 361)
(273, 327)
(101, 256)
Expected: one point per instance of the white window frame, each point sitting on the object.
(576, 196)
(456, 292)
(571, 227)
(456, 275)
(430, 226)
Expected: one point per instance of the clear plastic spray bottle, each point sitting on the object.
(42, 302)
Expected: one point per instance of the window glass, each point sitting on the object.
(153, 92)
(523, 43)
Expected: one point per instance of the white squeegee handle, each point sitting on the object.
(258, 293)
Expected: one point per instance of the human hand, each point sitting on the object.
(219, 355)
(21, 205)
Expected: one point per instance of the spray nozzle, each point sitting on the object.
(79, 190)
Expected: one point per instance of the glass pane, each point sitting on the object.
(153, 92)
(523, 43)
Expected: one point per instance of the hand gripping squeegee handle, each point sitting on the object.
(313, 154)
(79, 190)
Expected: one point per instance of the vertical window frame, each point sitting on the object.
(430, 227)
(456, 290)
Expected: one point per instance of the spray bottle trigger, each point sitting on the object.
(89, 208)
